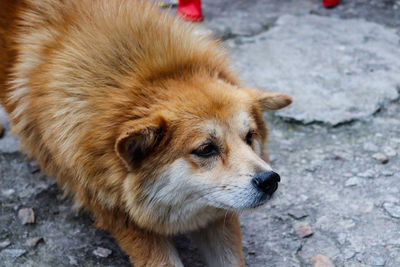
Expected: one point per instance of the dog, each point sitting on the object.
(140, 119)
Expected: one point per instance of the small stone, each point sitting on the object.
(378, 261)
(5, 243)
(297, 214)
(352, 182)
(374, 260)
(387, 173)
(14, 253)
(251, 253)
(102, 252)
(303, 230)
(370, 147)
(338, 156)
(346, 223)
(311, 169)
(380, 157)
(32, 242)
(392, 209)
(273, 158)
(389, 151)
(72, 261)
(1, 130)
(26, 215)
(367, 174)
(8, 192)
(320, 260)
(342, 237)
(349, 253)
(367, 207)
(34, 167)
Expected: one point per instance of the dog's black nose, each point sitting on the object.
(267, 181)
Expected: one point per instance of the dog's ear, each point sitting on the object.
(269, 100)
(139, 138)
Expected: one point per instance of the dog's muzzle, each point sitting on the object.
(267, 182)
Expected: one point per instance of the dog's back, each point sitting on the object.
(82, 68)
(8, 13)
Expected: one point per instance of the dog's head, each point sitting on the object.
(201, 147)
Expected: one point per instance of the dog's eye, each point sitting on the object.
(249, 137)
(206, 150)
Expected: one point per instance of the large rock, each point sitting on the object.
(229, 18)
(336, 70)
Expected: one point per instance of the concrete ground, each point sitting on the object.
(337, 148)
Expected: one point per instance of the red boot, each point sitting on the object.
(190, 10)
(330, 3)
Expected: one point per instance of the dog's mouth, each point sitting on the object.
(255, 200)
(265, 197)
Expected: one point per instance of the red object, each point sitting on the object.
(190, 10)
(330, 3)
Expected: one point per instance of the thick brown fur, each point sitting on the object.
(108, 96)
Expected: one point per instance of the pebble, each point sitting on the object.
(389, 151)
(374, 260)
(380, 157)
(73, 261)
(342, 237)
(32, 242)
(33, 167)
(303, 230)
(346, 223)
(1, 130)
(392, 209)
(338, 156)
(273, 158)
(310, 169)
(26, 215)
(378, 261)
(5, 243)
(320, 260)
(8, 192)
(352, 182)
(349, 253)
(370, 147)
(14, 253)
(367, 174)
(388, 173)
(102, 252)
(297, 214)
(367, 207)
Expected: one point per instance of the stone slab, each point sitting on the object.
(335, 70)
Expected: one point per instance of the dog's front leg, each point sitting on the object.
(148, 249)
(221, 242)
(144, 248)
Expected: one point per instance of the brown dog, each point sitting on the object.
(140, 119)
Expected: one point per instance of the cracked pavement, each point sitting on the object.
(337, 150)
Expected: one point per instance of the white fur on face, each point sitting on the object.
(174, 202)
(191, 190)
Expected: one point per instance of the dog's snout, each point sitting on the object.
(267, 181)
